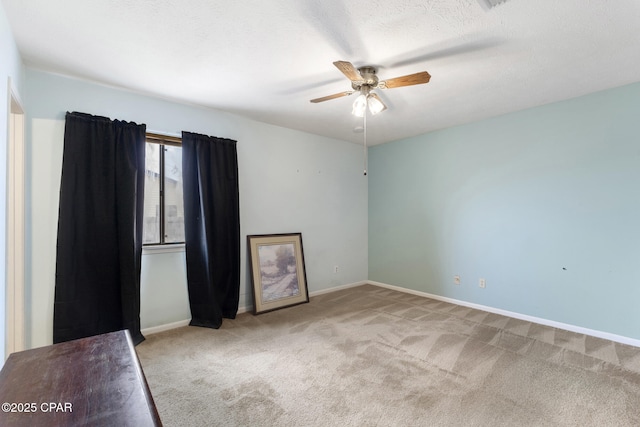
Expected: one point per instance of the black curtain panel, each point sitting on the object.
(212, 227)
(99, 228)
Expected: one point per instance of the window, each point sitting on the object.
(163, 201)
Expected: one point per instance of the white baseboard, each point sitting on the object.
(246, 309)
(337, 288)
(243, 309)
(155, 329)
(572, 328)
(546, 322)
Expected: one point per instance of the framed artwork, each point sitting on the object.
(277, 271)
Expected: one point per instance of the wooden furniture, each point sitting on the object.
(95, 381)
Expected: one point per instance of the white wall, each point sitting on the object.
(289, 182)
(10, 68)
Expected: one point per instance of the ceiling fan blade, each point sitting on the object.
(348, 70)
(409, 80)
(334, 96)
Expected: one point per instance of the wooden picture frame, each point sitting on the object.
(277, 271)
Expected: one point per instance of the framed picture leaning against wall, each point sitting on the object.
(277, 271)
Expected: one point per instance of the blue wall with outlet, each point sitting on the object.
(544, 204)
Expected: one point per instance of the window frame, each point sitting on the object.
(162, 140)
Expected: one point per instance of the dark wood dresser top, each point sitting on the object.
(95, 381)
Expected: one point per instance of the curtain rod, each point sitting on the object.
(164, 139)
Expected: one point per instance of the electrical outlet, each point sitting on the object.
(482, 283)
(335, 269)
(456, 280)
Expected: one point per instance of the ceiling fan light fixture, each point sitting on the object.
(375, 104)
(359, 105)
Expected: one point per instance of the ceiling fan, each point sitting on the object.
(364, 80)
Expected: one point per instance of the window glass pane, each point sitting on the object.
(151, 227)
(173, 201)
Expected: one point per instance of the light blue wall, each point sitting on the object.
(10, 68)
(544, 204)
(289, 182)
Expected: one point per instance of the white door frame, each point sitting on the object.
(15, 250)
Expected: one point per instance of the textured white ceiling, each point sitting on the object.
(266, 59)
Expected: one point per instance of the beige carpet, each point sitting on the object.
(369, 356)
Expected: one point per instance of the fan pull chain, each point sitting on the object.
(365, 142)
